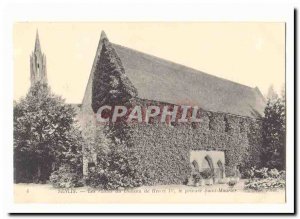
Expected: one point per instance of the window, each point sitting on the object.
(242, 126)
(227, 127)
(210, 121)
(91, 164)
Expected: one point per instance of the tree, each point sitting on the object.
(118, 168)
(117, 161)
(274, 133)
(45, 135)
(272, 95)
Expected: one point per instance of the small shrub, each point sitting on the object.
(229, 171)
(206, 174)
(232, 182)
(197, 177)
(117, 169)
(265, 184)
(264, 173)
(274, 173)
(282, 174)
(66, 177)
(265, 179)
(261, 173)
(223, 181)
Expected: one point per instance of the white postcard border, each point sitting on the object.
(118, 10)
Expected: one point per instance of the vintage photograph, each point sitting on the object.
(149, 112)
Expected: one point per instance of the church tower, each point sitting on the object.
(38, 71)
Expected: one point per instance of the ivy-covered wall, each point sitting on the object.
(164, 148)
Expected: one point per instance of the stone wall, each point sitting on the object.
(164, 148)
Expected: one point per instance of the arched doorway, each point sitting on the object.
(207, 165)
(211, 163)
(221, 171)
(195, 167)
(207, 162)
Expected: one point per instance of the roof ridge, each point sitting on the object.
(256, 89)
(181, 65)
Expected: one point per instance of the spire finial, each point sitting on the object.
(103, 36)
(37, 46)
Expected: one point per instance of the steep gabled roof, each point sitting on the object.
(162, 80)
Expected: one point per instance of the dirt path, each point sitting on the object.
(219, 193)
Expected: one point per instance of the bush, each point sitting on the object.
(261, 173)
(264, 173)
(265, 184)
(229, 171)
(265, 179)
(274, 173)
(206, 174)
(197, 177)
(232, 182)
(274, 133)
(44, 131)
(66, 177)
(117, 169)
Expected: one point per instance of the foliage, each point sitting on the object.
(197, 177)
(119, 168)
(265, 179)
(66, 177)
(264, 172)
(69, 173)
(229, 171)
(232, 182)
(110, 85)
(274, 133)
(232, 172)
(261, 173)
(44, 134)
(169, 161)
(164, 151)
(207, 173)
(265, 184)
(254, 136)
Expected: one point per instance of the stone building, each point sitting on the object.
(228, 134)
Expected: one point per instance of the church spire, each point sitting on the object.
(37, 46)
(103, 36)
(38, 71)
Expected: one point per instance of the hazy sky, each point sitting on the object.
(252, 54)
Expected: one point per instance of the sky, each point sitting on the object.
(249, 53)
